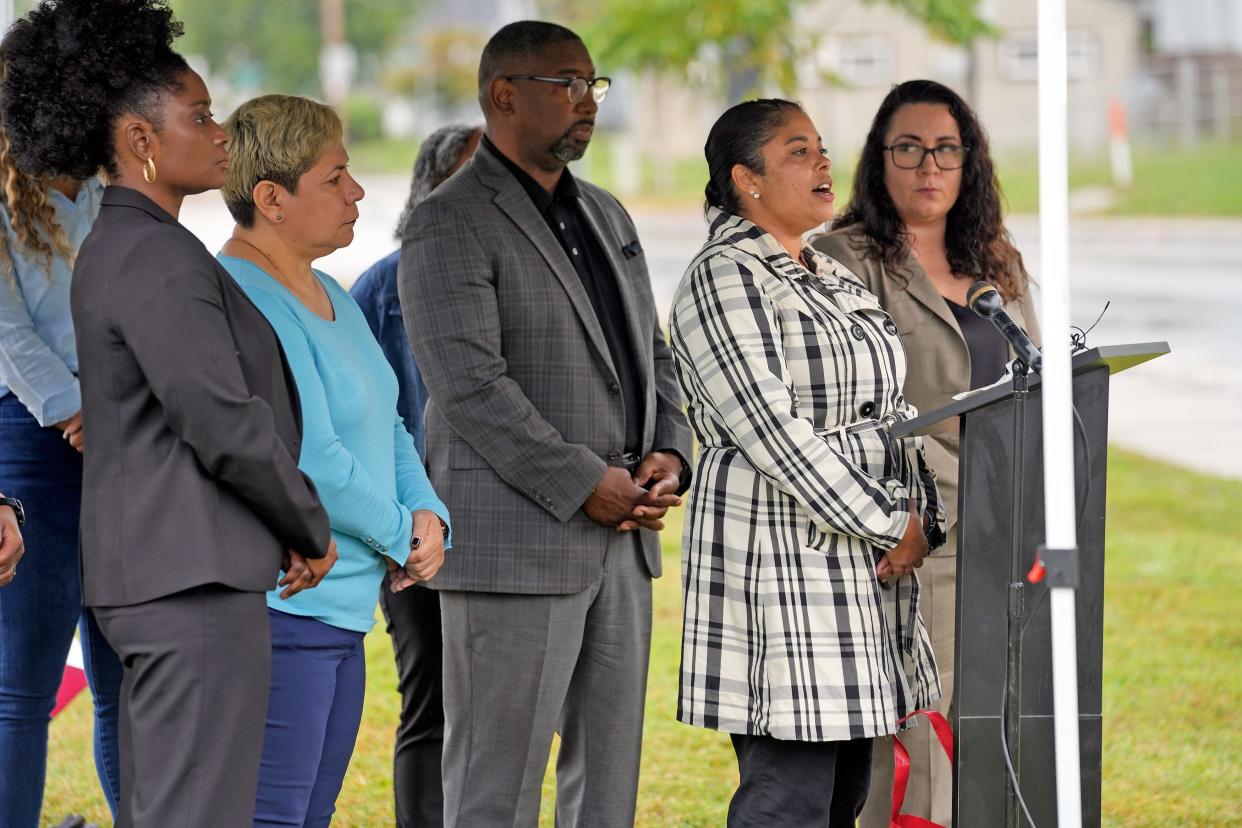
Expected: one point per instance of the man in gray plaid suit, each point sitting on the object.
(556, 438)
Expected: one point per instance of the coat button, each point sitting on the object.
(857, 331)
(890, 326)
(614, 388)
(614, 455)
(867, 408)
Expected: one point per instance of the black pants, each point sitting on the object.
(413, 617)
(193, 700)
(788, 784)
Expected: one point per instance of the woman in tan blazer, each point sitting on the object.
(923, 224)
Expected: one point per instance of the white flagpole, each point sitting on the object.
(1058, 396)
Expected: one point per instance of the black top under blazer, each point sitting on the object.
(525, 408)
(191, 417)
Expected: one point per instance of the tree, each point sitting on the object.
(757, 41)
(274, 44)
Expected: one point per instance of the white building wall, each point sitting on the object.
(1197, 26)
(869, 47)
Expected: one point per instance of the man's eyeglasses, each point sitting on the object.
(911, 156)
(577, 87)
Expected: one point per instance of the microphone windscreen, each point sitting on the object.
(983, 299)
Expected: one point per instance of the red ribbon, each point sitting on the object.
(901, 769)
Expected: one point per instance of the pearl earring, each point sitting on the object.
(756, 195)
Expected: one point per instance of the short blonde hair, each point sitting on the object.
(274, 138)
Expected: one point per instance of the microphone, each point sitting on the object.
(985, 300)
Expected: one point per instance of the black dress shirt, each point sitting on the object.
(988, 349)
(562, 210)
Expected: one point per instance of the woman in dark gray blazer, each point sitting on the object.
(192, 496)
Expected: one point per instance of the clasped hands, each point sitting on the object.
(302, 572)
(426, 557)
(906, 556)
(426, 553)
(628, 502)
(11, 545)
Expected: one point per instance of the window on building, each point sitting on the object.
(859, 61)
(1017, 56)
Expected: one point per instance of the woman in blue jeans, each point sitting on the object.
(294, 201)
(41, 441)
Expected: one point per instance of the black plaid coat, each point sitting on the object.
(790, 376)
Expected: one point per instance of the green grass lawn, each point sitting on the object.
(1199, 182)
(1172, 182)
(1173, 663)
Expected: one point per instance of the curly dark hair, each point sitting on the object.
(976, 241)
(72, 67)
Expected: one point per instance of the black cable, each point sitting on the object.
(1078, 339)
(1004, 722)
(1080, 431)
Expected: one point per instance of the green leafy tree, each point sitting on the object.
(758, 42)
(274, 44)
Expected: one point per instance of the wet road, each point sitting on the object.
(1178, 280)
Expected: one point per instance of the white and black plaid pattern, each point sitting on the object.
(789, 375)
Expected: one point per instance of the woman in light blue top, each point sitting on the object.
(294, 201)
(41, 441)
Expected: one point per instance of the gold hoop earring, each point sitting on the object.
(148, 170)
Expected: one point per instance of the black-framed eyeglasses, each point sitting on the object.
(911, 156)
(577, 87)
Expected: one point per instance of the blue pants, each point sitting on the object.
(38, 612)
(313, 713)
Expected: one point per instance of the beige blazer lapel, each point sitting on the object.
(516, 204)
(922, 289)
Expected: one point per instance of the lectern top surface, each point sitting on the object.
(1116, 358)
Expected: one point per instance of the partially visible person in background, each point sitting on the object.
(924, 223)
(192, 501)
(413, 615)
(294, 201)
(41, 444)
(441, 155)
(12, 516)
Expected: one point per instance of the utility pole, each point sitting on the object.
(337, 59)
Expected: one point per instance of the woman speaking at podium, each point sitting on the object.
(923, 224)
(803, 506)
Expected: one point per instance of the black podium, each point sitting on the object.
(1000, 525)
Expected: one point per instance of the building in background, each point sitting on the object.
(1191, 90)
(866, 48)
